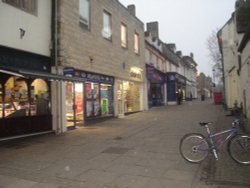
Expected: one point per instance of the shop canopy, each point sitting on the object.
(39, 74)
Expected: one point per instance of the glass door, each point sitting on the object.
(74, 104)
(79, 103)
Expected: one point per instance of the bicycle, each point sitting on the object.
(195, 147)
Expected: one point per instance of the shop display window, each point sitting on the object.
(107, 107)
(16, 103)
(40, 104)
(131, 97)
(93, 107)
(69, 103)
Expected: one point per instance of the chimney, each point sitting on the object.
(131, 9)
(192, 55)
(179, 53)
(153, 28)
(172, 47)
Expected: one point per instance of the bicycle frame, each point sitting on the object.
(213, 146)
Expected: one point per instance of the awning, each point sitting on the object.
(10, 73)
(39, 74)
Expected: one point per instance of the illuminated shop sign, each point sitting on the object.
(154, 75)
(136, 73)
(175, 77)
(89, 76)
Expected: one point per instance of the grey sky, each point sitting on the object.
(187, 23)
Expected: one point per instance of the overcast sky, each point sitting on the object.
(187, 23)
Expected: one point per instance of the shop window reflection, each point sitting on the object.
(39, 98)
(16, 103)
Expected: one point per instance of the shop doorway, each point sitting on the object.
(74, 104)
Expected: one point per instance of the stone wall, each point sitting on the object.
(78, 45)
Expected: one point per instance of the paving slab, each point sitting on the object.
(137, 151)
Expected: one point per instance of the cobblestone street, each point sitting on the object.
(138, 151)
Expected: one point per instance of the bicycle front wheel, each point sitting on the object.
(194, 147)
(239, 149)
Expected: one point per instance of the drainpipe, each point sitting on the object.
(58, 110)
(60, 125)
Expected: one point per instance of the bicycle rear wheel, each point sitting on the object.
(239, 149)
(194, 147)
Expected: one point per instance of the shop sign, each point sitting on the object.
(180, 79)
(153, 75)
(68, 72)
(136, 73)
(10, 58)
(92, 77)
(171, 77)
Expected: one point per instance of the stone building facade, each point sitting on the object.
(102, 43)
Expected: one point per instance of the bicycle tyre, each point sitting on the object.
(189, 149)
(239, 149)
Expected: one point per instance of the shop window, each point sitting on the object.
(107, 107)
(132, 97)
(16, 103)
(39, 98)
(92, 100)
(69, 103)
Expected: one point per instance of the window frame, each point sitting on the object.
(136, 47)
(124, 43)
(109, 16)
(84, 22)
(20, 4)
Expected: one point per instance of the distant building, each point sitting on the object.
(156, 66)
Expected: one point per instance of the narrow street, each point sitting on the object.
(138, 151)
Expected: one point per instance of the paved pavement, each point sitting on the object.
(138, 151)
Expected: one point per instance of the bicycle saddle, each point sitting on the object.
(205, 123)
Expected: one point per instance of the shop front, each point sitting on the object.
(155, 81)
(176, 87)
(25, 105)
(90, 99)
(129, 93)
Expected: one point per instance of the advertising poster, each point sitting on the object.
(96, 91)
(89, 109)
(97, 108)
(88, 91)
(79, 105)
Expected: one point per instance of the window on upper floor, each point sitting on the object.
(107, 28)
(29, 6)
(136, 43)
(84, 12)
(124, 38)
